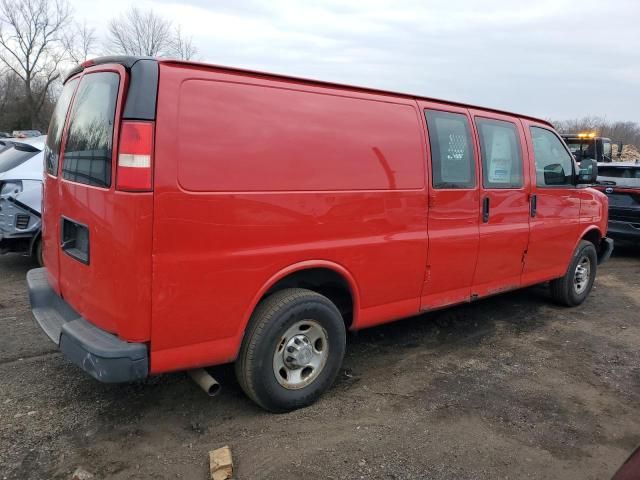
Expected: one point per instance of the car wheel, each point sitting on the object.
(573, 288)
(292, 350)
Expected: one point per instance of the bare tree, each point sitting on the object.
(10, 91)
(30, 46)
(145, 33)
(182, 47)
(7, 88)
(138, 32)
(79, 41)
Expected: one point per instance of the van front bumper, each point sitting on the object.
(102, 355)
(606, 249)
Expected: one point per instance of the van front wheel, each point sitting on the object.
(572, 289)
(292, 351)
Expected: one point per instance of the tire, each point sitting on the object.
(271, 376)
(568, 290)
(37, 252)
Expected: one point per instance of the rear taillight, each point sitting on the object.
(135, 157)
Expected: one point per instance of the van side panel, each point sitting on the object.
(253, 175)
(282, 139)
(593, 211)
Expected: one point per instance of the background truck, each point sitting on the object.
(588, 145)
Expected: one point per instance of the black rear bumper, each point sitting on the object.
(102, 355)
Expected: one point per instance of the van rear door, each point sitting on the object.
(50, 193)
(103, 233)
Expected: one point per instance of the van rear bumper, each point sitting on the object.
(102, 355)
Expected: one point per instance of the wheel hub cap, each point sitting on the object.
(581, 275)
(298, 352)
(301, 354)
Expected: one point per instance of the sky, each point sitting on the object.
(554, 59)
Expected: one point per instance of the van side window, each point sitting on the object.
(87, 154)
(554, 165)
(54, 138)
(452, 159)
(501, 154)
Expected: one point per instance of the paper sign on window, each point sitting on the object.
(500, 162)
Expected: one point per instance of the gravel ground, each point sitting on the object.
(509, 387)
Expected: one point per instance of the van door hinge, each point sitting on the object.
(524, 256)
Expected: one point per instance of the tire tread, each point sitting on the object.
(561, 288)
(259, 321)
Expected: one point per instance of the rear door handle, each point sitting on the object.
(485, 209)
(534, 205)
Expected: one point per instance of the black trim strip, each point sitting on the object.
(126, 61)
(24, 206)
(142, 93)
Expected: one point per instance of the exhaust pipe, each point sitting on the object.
(205, 381)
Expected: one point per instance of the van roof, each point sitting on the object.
(129, 61)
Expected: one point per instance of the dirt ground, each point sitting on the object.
(509, 387)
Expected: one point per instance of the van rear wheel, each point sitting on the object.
(292, 351)
(573, 288)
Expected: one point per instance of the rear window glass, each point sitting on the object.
(16, 155)
(88, 152)
(52, 149)
(619, 172)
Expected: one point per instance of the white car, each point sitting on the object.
(21, 171)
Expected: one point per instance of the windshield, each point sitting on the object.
(582, 149)
(16, 155)
(619, 172)
(4, 145)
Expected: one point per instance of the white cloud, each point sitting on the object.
(549, 58)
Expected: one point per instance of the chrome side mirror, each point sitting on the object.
(588, 172)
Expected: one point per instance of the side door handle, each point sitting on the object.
(485, 210)
(534, 205)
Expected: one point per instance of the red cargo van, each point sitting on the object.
(196, 215)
